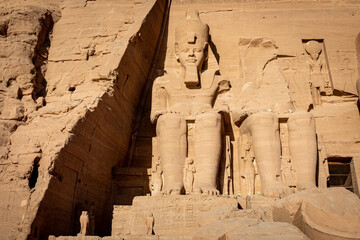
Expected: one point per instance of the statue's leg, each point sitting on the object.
(264, 128)
(207, 152)
(303, 148)
(171, 131)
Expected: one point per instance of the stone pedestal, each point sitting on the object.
(178, 215)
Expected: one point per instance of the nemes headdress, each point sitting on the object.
(192, 30)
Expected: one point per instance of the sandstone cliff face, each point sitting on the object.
(25, 40)
(69, 95)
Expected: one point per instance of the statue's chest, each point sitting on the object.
(187, 93)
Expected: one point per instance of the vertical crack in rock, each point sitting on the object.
(41, 55)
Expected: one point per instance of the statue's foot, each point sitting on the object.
(303, 186)
(277, 189)
(207, 190)
(172, 191)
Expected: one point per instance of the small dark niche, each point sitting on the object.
(34, 173)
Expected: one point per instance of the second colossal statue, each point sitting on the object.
(189, 96)
(259, 115)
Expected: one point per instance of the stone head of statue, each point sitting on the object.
(247, 146)
(313, 48)
(189, 160)
(191, 41)
(84, 213)
(150, 214)
(158, 161)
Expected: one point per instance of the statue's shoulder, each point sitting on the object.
(161, 81)
(166, 79)
(219, 78)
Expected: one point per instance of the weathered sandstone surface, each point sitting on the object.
(76, 82)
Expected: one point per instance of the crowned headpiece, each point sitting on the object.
(192, 30)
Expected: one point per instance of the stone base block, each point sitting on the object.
(121, 220)
(179, 215)
(142, 237)
(51, 237)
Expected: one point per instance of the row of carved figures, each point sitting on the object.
(249, 181)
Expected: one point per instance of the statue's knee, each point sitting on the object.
(171, 121)
(210, 119)
(301, 119)
(263, 119)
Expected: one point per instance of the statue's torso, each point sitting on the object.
(190, 101)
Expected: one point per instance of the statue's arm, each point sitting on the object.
(223, 95)
(159, 100)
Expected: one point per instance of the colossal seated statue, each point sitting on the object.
(189, 96)
(265, 99)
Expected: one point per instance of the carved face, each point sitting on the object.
(314, 55)
(191, 54)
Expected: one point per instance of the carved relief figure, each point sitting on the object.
(298, 88)
(226, 180)
(319, 80)
(257, 179)
(189, 96)
(287, 171)
(84, 223)
(189, 172)
(324, 174)
(247, 166)
(249, 173)
(258, 118)
(150, 224)
(157, 181)
(346, 76)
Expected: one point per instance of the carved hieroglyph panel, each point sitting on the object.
(178, 215)
(120, 222)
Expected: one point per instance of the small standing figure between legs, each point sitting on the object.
(150, 224)
(189, 175)
(84, 223)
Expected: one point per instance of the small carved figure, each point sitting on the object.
(249, 170)
(324, 174)
(157, 181)
(150, 224)
(287, 171)
(319, 81)
(257, 179)
(227, 178)
(189, 175)
(346, 76)
(84, 223)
